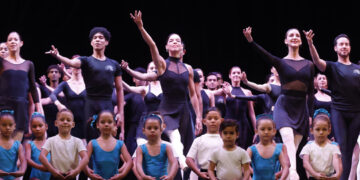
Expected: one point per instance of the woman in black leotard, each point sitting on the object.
(240, 110)
(74, 92)
(321, 100)
(16, 80)
(291, 113)
(176, 79)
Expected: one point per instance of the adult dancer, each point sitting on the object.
(16, 80)
(207, 97)
(176, 79)
(100, 73)
(212, 84)
(4, 51)
(291, 112)
(240, 110)
(74, 93)
(343, 77)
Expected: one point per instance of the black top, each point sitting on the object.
(134, 107)
(295, 75)
(196, 76)
(205, 102)
(152, 101)
(16, 80)
(99, 76)
(344, 83)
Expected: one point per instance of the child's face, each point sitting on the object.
(229, 136)
(106, 123)
(321, 130)
(65, 122)
(7, 125)
(266, 129)
(212, 122)
(152, 129)
(38, 127)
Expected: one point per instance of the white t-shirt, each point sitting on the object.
(64, 152)
(321, 158)
(229, 163)
(202, 147)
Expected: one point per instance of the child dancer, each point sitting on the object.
(201, 149)
(106, 150)
(321, 158)
(65, 149)
(265, 155)
(33, 148)
(10, 150)
(152, 158)
(230, 160)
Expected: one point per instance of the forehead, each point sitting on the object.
(235, 69)
(174, 36)
(152, 122)
(7, 119)
(106, 115)
(342, 40)
(212, 77)
(230, 129)
(321, 76)
(98, 34)
(3, 45)
(37, 120)
(266, 123)
(213, 113)
(53, 69)
(293, 31)
(65, 114)
(13, 35)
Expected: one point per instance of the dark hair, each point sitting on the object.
(213, 109)
(37, 115)
(154, 116)
(7, 112)
(20, 38)
(263, 117)
(212, 74)
(341, 36)
(233, 68)
(140, 69)
(94, 119)
(229, 123)
(54, 66)
(64, 110)
(286, 34)
(321, 115)
(101, 30)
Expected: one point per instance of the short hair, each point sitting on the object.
(64, 110)
(212, 109)
(54, 66)
(340, 36)
(229, 123)
(101, 30)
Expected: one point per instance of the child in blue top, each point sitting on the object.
(265, 155)
(152, 158)
(33, 148)
(106, 150)
(10, 150)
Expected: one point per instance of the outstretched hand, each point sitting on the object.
(137, 18)
(247, 34)
(309, 36)
(244, 78)
(54, 51)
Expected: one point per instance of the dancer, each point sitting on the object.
(74, 93)
(208, 99)
(266, 154)
(240, 110)
(343, 77)
(291, 112)
(176, 79)
(16, 80)
(4, 51)
(322, 158)
(100, 73)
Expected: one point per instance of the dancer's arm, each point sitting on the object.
(320, 64)
(266, 88)
(76, 63)
(149, 76)
(155, 55)
(120, 104)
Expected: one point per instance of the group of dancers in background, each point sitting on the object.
(80, 124)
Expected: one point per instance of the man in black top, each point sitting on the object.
(99, 72)
(343, 77)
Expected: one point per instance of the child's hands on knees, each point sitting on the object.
(3, 173)
(92, 175)
(71, 174)
(57, 174)
(148, 178)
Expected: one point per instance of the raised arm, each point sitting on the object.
(76, 63)
(266, 88)
(155, 55)
(268, 56)
(152, 76)
(320, 64)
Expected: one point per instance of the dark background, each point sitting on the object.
(211, 30)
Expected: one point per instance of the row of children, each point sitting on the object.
(59, 155)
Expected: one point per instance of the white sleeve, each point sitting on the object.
(305, 151)
(47, 144)
(193, 149)
(214, 157)
(80, 145)
(245, 158)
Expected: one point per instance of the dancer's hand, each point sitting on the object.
(247, 34)
(244, 78)
(309, 36)
(54, 51)
(198, 127)
(137, 18)
(124, 65)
